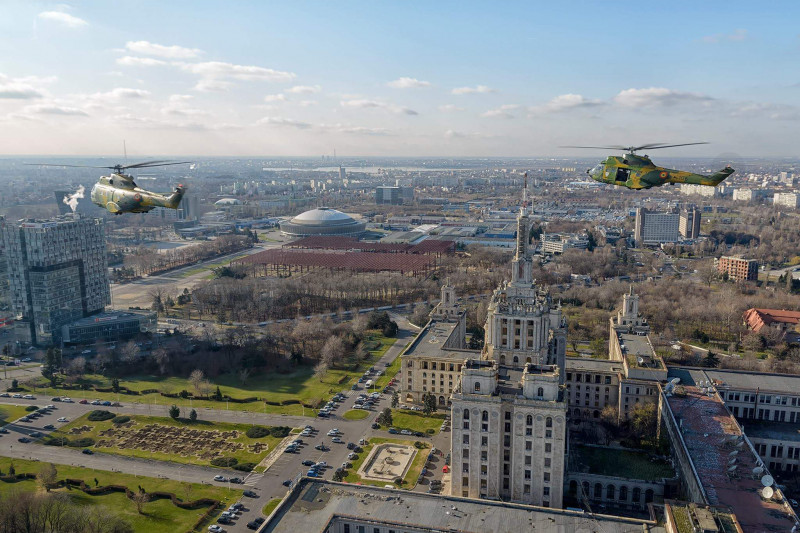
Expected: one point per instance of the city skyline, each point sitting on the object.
(396, 79)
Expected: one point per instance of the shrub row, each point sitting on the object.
(245, 467)
(224, 462)
(257, 432)
(121, 419)
(100, 415)
(85, 442)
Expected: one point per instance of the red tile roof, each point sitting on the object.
(758, 318)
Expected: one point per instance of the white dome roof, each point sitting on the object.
(322, 215)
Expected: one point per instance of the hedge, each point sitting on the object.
(100, 415)
(257, 432)
(225, 462)
(245, 467)
(120, 419)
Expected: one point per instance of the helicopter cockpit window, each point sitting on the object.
(623, 174)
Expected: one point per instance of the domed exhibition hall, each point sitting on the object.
(323, 221)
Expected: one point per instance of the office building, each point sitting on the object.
(689, 224)
(655, 228)
(700, 190)
(557, 243)
(108, 327)
(342, 173)
(738, 269)
(386, 195)
(750, 195)
(786, 199)
(509, 433)
(57, 272)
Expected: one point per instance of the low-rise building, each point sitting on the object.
(109, 326)
(557, 243)
(738, 268)
(783, 322)
(786, 199)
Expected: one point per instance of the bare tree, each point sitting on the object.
(244, 374)
(140, 498)
(129, 352)
(320, 370)
(333, 351)
(47, 476)
(196, 378)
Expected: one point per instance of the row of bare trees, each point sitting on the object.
(143, 260)
(46, 512)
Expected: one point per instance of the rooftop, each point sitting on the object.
(763, 429)
(638, 347)
(322, 215)
(311, 505)
(737, 379)
(431, 340)
(629, 464)
(111, 317)
(597, 365)
(713, 438)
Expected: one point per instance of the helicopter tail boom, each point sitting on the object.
(713, 180)
(174, 199)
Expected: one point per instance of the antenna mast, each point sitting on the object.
(525, 194)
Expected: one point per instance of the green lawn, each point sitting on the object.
(159, 516)
(207, 443)
(210, 266)
(9, 413)
(300, 384)
(356, 414)
(416, 420)
(410, 479)
(624, 463)
(271, 505)
(388, 374)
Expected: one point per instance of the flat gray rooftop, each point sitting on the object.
(430, 342)
(597, 365)
(312, 504)
(783, 431)
(751, 380)
(636, 345)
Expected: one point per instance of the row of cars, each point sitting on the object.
(33, 415)
(67, 399)
(331, 406)
(18, 395)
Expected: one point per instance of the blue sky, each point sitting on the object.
(397, 78)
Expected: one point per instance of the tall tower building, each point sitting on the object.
(509, 433)
(689, 225)
(522, 324)
(57, 271)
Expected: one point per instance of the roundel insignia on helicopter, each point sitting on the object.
(664, 175)
(137, 197)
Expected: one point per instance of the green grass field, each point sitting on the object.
(410, 479)
(271, 505)
(9, 413)
(416, 421)
(243, 455)
(159, 516)
(356, 414)
(210, 266)
(388, 374)
(301, 384)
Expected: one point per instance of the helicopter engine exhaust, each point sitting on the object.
(72, 199)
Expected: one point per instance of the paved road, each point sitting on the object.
(267, 485)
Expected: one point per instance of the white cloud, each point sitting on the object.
(304, 89)
(307, 103)
(479, 89)
(737, 35)
(53, 109)
(287, 122)
(180, 97)
(184, 111)
(449, 108)
(565, 102)
(121, 93)
(219, 69)
(63, 18)
(659, 97)
(501, 112)
(18, 89)
(367, 104)
(454, 134)
(159, 50)
(275, 98)
(408, 83)
(360, 130)
(134, 61)
(208, 86)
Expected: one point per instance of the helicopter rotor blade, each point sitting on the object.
(71, 166)
(148, 164)
(658, 146)
(598, 147)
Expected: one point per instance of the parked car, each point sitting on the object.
(24, 440)
(337, 440)
(256, 523)
(62, 419)
(405, 432)
(308, 462)
(287, 483)
(48, 426)
(321, 447)
(29, 397)
(236, 480)
(219, 477)
(250, 494)
(393, 431)
(37, 434)
(70, 400)
(214, 528)
(87, 451)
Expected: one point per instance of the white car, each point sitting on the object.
(67, 400)
(29, 397)
(337, 440)
(214, 528)
(63, 419)
(405, 432)
(332, 433)
(219, 478)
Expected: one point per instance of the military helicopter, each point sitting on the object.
(118, 193)
(638, 171)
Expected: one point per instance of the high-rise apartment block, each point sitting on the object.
(738, 269)
(689, 224)
(786, 199)
(655, 228)
(57, 271)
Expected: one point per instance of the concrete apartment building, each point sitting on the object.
(655, 228)
(786, 199)
(689, 224)
(737, 268)
(57, 272)
(509, 433)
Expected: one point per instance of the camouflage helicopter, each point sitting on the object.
(118, 193)
(638, 171)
